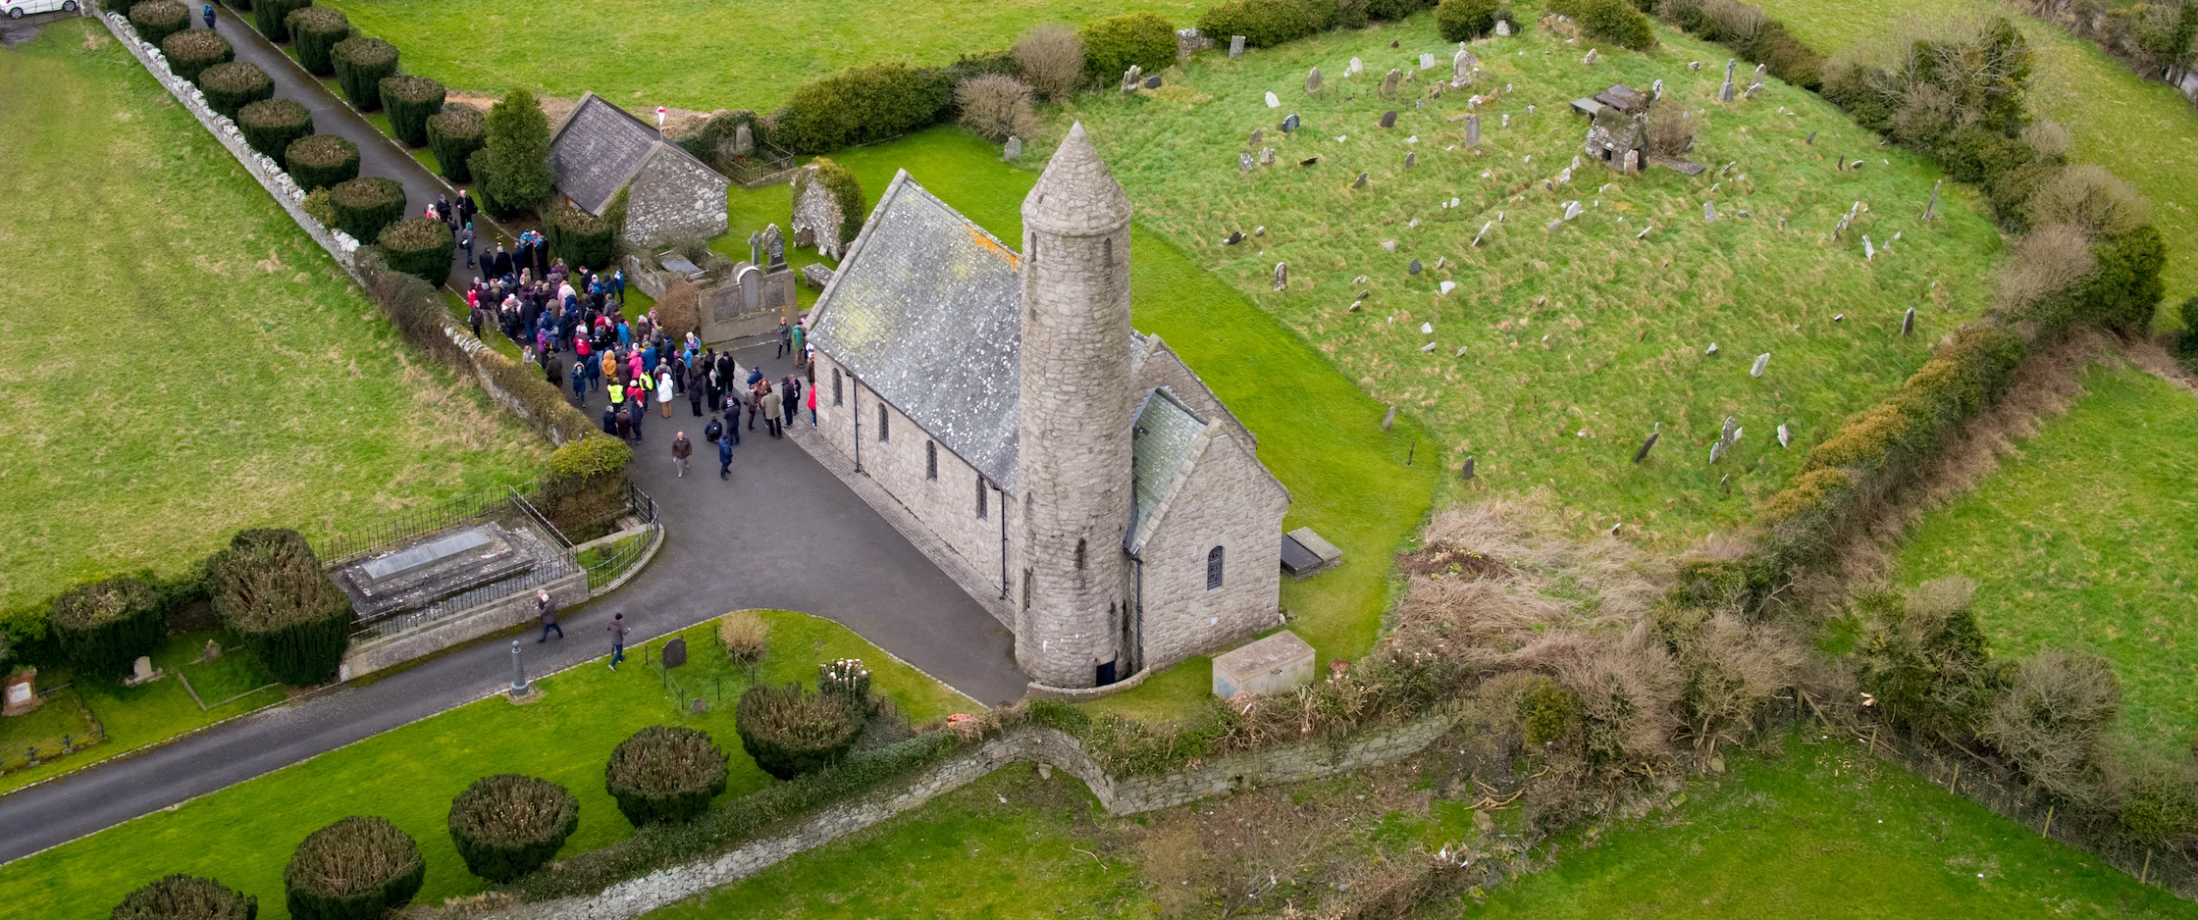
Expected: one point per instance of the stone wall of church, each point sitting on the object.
(1230, 502)
(946, 506)
(674, 197)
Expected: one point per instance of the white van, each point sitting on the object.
(17, 9)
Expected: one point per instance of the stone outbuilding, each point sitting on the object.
(821, 219)
(1617, 134)
(1078, 468)
(601, 149)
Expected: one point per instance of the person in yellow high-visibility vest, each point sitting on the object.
(618, 393)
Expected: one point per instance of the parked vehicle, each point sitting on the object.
(17, 9)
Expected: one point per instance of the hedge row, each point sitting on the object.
(454, 134)
(270, 126)
(193, 50)
(232, 86)
(420, 246)
(321, 161)
(1112, 45)
(411, 101)
(104, 626)
(361, 63)
(268, 588)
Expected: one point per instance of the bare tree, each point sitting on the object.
(2051, 718)
(2091, 198)
(680, 310)
(996, 106)
(1051, 57)
(1671, 130)
(2047, 262)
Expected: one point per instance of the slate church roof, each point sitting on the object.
(924, 311)
(600, 147)
(1166, 438)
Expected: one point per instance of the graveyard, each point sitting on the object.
(1561, 344)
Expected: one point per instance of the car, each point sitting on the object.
(17, 9)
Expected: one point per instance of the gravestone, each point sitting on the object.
(1131, 78)
(1308, 161)
(675, 653)
(1812, 139)
(1785, 438)
(1709, 212)
(1725, 92)
(212, 652)
(1389, 418)
(1274, 101)
(1152, 82)
(1649, 444)
(1290, 124)
(1414, 269)
(1656, 90)
(1466, 471)
(1013, 149)
(1761, 71)
(755, 248)
(1503, 30)
(1461, 69)
(20, 697)
(698, 706)
(1591, 57)
(1355, 67)
(1235, 237)
(1411, 158)
(1633, 161)
(1761, 361)
(1472, 130)
(774, 243)
(141, 672)
(1484, 232)
(1244, 162)
(1931, 209)
(1427, 61)
(1258, 135)
(1389, 83)
(1282, 275)
(744, 140)
(1236, 46)
(1266, 156)
(1506, 121)
(1908, 322)
(1389, 118)
(1869, 250)
(1359, 182)
(1312, 80)
(816, 274)
(1752, 87)
(1710, 350)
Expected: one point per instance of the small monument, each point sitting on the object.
(21, 696)
(1277, 664)
(142, 672)
(675, 653)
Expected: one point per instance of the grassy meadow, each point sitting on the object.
(2082, 540)
(191, 362)
(243, 835)
(1560, 350)
(2141, 129)
(700, 54)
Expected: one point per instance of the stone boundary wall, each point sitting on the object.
(367, 656)
(1026, 744)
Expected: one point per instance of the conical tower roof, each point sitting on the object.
(1076, 195)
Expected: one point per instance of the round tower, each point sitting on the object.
(1073, 457)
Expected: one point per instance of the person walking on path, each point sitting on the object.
(681, 450)
(465, 239)
(800, 339)
(618, 630)
(545, 607)
(664, 389)
(785, 337)
(725, 458)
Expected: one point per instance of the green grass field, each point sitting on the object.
(190, 363)
(2083, 541)
(2140, 129)
(700, 54)
(243, 835)
(1319, 434)
(1559, 351)
(1829, 833)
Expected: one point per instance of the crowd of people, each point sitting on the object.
(572, 323)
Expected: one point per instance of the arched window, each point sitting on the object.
(1213, 569)
(931, 460)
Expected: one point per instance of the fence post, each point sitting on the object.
(1873, 740)
(2049, 820)
(2147, 870)
(1955, 786)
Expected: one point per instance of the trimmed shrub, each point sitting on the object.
(232, 86)
(665, 774)
(454, 134)
(584, 490)
(103, 626)
(319, 161)
(191, 51)
(361, 63)
(1051, 59)
(315, 205)
(272, 125)
(1395, 10)
(314, 32)
(271, 17)
(355, 869)
(861, 106)
(582, 239)
(419, 246)
(1465, 20)
(123, 8)
(747, 639)
(268, 589)
(846, 191)
(1267, 23)
(1609, 20)
(367, 204)
(1112, 44)
(155, 20)
(2126, 288)
(508, 825)
(996, 106)
(512, 167)
(187, 897)
(411, 101)
(790, 732)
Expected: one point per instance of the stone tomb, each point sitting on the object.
(425, 571)
(1305, 552)
(1277, 664)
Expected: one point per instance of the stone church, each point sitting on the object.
(1081, 468)
(601, 150)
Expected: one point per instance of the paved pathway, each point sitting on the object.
(784, 533)
(378, 154)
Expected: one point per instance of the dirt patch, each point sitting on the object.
(1450, 559)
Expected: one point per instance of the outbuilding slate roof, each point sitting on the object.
(1167, 436)
(600, 147)
(924, 311)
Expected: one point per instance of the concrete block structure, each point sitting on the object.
(1277, 664)
(1005, 401)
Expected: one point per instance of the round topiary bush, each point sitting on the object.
(272, 125)
(232, 86)
(367, 204)
(155, 20)
(411, 101)
(103, 626)
(191, 51)
(186, 897)
(453, 135)
(1112, 44)
(314, 32)
(508, 825)
(361, 63)
(790, 732)
(355, 869)
(582, 239)
(272, 17)
(321, 161)
(268, 589)
(665, 773)
(419, 246)
(1465, 20)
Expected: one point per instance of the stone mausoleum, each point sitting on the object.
(1004, 400)
(601, 149)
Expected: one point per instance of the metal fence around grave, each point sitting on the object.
(643, 508)
(526, 581)
(338, 547)
(761, 167)
(34, 755)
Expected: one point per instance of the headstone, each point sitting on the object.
(1448, 286)
(1472, 130)
(817, 275)
(1761, 71)
(1484, 232)
(1266, 156)
(755, 249)
(141, 672)
(1414, 269)
(1359, 182)
(1389, 83)
(1236, 46)
(1812, 139)
(1244, 162)
(1725, 92)
(211, 653)
(1709, 212)
(698, 706)
(1752, 87)
(1590, 58)
(1390, 245)
(1282, 275)
(1411, 158)
(1235, 237)
(1308, 161)
(1131, 78)
(1710, 350)
(1649, 444)
(1694, 65)
(20, 696)
(1153, 82)
(1427, 61)
(1506, 121)
(1356, 66)
(1931, 210)
(774, 243)
(675, 652)
(1908, 322)
(1785, 438)
(1503, 28)
(1274, 101)
(1633, 161)
(1466, 471)
(1013, 149)
(1644, 232)
(744, 141)
(1657, 88)
(1312, 80)
(1258, 135)
(1389, 418)
(1389, 118)
(1869, 249)
(1761, 361)
(1572, 210)
(1290, 124)
(1461, 68)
